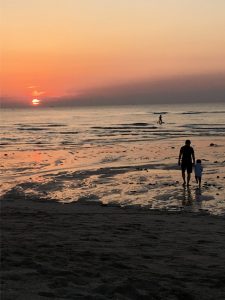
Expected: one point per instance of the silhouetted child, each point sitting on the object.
(198, 171)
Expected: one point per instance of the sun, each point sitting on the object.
(35, 102)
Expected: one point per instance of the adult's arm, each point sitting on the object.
(180, 154)
(193, 156)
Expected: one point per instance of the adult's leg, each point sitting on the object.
(189, 171)
(188, 178)
(183, 176)
(199, 181)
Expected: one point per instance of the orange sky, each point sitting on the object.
(64, 47)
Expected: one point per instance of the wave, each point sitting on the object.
(32, 129)
(56, 125)
(201, 112)
(126, 126)
(68, 132)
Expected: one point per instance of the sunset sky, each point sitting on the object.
(65, 48)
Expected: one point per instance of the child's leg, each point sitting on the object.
(196, 178)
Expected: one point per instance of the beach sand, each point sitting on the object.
(76, 251)
(112, 222)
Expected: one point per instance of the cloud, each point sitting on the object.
(179, 89)
(32, 87)
(36, 93)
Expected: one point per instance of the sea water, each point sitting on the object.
(52, 128)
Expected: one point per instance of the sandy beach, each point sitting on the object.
(96, 210)
(92, 251)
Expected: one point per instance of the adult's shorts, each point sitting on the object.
(186, 166)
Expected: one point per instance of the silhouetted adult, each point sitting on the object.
(186, 158)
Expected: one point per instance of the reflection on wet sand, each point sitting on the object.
(192, 197)
(198, 193)
(187, 197)
(198, 198)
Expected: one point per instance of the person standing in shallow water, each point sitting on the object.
(160, 120)
(186, 160)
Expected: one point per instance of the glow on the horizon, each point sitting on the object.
(35, 101)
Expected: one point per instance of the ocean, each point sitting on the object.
(105, 150)
(50, 128)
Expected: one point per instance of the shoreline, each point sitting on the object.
(91, 251)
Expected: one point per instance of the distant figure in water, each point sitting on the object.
(198, 172)
(186, 157)
(160, 120)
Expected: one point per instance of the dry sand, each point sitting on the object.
(89, 251)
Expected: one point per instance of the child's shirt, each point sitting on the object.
(198, 170)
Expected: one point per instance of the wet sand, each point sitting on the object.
(143, 174)
(92, 251)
